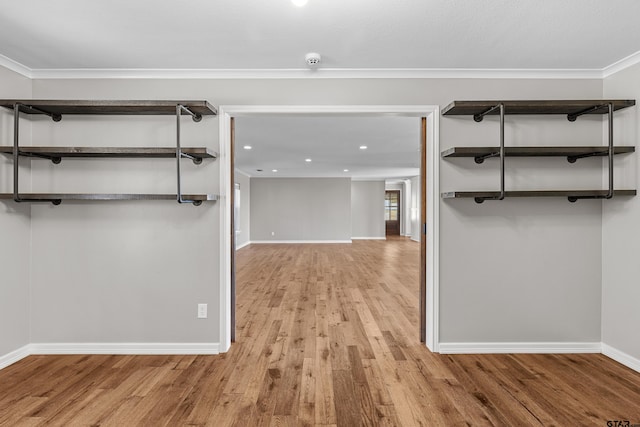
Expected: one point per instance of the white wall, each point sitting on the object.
(535, 263)
(243, 236)
(415, 208)
(406, 205)
(124, 272)
(554, 299)
(367, 209)
(621, 228)
(15, 227)
(300, 209)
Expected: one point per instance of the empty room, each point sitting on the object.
(306, 213)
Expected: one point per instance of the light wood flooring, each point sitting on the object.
(327, 335)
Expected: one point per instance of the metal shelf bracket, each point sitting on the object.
(610, 153)
(16, 156)
(573, 159)
(500, 153)
(55, 117)
(572, 117)
(478, 117)
(180, 154)
(480, 159)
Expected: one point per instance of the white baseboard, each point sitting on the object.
(368, 238)
(621, 357)
(520, 347)
(14, 356)
(125, 348)
(298, 241)
(243, 245)
(415, 240)
(214, 348)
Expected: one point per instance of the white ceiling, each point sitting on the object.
(349, 34)
(332, 143)
(67, 38)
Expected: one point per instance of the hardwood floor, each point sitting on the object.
(327, 335)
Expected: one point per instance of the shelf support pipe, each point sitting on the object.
(502, 194)
(16, 160)
(180, 154)
(610, 154)
(16, 152)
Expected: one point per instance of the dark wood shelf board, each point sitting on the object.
(535, 193)
(111, 152)
(109, 107)
(105, 197)
(457, 108)
(536, 151)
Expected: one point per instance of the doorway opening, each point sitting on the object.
(392, 212)
(429, 220)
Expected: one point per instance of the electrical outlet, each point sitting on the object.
(273, 233)
(202, 311)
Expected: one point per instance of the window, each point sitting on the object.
(391, 202)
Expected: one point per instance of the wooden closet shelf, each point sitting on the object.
(574, 152)
(459, 108)
(58, 107)
(90, 196)
(110, 152)
(536, 193)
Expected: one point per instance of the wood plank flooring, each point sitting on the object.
(327, 336)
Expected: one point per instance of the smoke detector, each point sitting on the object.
(312, 59)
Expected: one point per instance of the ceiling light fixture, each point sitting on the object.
(307, 160)
(346, 170)
(274, 170)
(363, 147)
(299, 3)
(247, 147)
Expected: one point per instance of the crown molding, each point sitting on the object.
(15, 66)
(627, 62)
(241, 172)
(323, 73)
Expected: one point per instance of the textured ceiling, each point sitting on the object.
(332, 143)
(350, 34)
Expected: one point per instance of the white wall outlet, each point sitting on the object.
(273, 233)
(202, 311)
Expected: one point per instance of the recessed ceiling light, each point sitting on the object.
(247, 147)
(307, 160)
(363, 147)
(299, 3)
(274, 170)
(346, 170)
